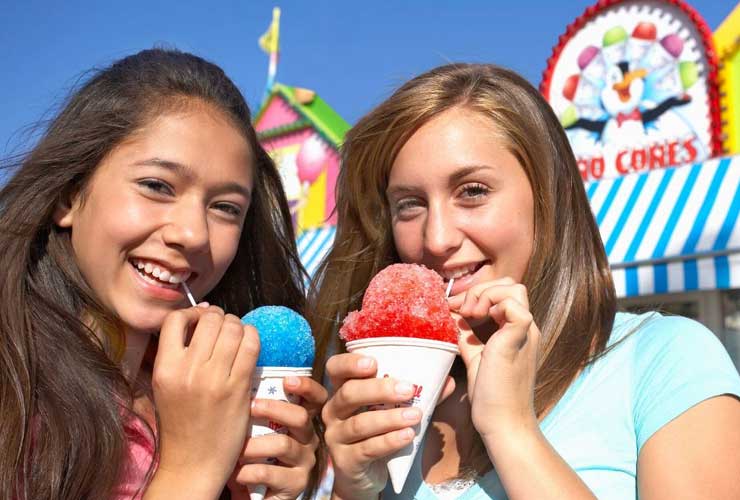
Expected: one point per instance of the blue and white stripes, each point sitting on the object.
(668, 230)
(313, 245)
(671, 230)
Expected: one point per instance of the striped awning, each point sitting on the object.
(313, 245)
(671, 230)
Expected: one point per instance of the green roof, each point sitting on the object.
(328, 123)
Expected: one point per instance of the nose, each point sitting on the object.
(187, 227)
(442, 235)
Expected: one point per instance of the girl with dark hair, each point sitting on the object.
(148, 182)
(465, 169)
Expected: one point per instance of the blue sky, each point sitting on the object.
(352, 53)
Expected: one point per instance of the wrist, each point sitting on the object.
(511, 430)
(341, 492)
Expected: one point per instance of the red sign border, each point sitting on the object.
(705, 32)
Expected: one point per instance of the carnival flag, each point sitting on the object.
(269, 41)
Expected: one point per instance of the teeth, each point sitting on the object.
(458, 272)
(163, 275)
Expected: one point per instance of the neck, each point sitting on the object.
(136, 344)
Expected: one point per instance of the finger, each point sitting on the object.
(457, 300)
(341, 367)
(381, 446)
(510, 312)
(247, 355)
(275, 478)
(357, 393)
(370, 424)
(479, 300)
(206, 333)
(284, 448)
(290, 415)
(312, 394)
(173, 335)
(227, 345)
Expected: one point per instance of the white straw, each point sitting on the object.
(449, 287)
(189, 294)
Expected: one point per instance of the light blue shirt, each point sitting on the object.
(664, 366)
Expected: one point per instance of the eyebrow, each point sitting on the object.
(186, 171)
(454, 179)
(463, 172)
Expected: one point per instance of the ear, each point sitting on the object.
(64, 212)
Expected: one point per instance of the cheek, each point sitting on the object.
(408, 242)
(223, 250)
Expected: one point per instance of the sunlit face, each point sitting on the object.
(460, 202)
(166, 206)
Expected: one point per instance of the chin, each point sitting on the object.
(148, 322)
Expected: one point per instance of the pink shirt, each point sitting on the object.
(137, 462)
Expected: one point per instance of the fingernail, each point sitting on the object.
(292, 381)
(403, 388)
(365, 363)
(203, 304)
(253, 404)
(405, 434)
(411, 414)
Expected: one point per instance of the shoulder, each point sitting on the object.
(675, 364)
(652, 335)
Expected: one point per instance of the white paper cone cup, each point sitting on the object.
(422, 362)
(267, 383)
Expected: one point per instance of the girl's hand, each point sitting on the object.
(356, 438)
(202, 393)
(501, 371)
(295, 451)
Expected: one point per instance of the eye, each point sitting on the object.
(614, 75)
(407, 207)
(229, 209)
(156, 186)
(474, 191)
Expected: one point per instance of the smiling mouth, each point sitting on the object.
(460, 272)
(159, 275)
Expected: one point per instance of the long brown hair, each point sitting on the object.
(63, 398)
(571, 293)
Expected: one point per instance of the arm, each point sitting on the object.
(201, 393)
(695, 456)
(357, 440)
(501, 378)
(653, 114)
(596, 126)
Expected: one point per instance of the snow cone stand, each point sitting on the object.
(647, 106)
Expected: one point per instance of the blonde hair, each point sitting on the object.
(571, 292)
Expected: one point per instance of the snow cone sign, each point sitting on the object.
(634, 85)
